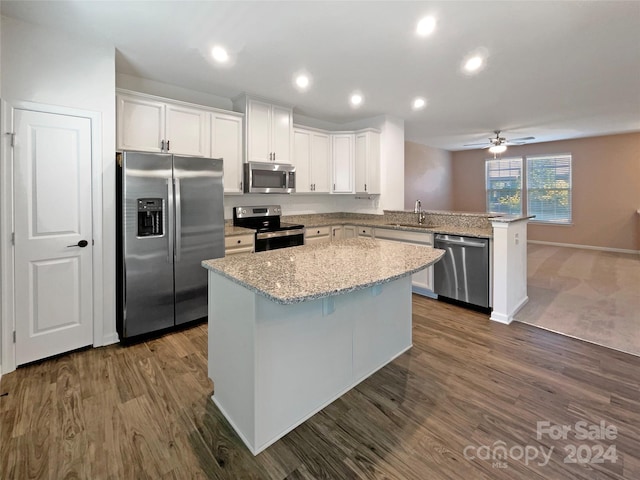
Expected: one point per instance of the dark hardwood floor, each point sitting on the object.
(468, 385)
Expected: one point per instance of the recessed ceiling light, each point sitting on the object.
(302, 81)
(473, 63)
(418, 103)
(426, 26)
(219, 54)
(356, 99)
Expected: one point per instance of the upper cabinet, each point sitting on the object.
(312, 159)
(367, 161)
(268, 130)
(155, 124)
(342, 162)
(226, 143)
(152, 125)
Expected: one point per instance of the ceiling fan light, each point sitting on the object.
(498, 148)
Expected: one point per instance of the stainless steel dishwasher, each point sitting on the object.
(463, 272)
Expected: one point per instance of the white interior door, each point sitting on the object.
(52, 201)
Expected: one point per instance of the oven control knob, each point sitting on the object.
(243, 211)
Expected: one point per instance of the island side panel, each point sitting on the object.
(304, 360)
(232, 354)
(382, 328)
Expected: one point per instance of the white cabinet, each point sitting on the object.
(349, 231)
(366, 232)
(238, 244)
(367, 161)
(421, 281)
(149, 124)
(140, 124)
(226, 143)
(311, 157)
(187, 131)
(268, 130)
(342, 162)
(336, 232)
(317, 235)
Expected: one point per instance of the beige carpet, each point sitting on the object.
(586, 294)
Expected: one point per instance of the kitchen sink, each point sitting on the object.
(413, 225)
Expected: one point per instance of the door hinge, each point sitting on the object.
(13, 238)
(14, 336)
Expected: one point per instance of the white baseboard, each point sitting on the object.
(508, 318)
(586, 247)
(110, 339)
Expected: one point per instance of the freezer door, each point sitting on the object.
(147, 192)
(199, 231)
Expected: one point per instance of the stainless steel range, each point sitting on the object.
(271, 233)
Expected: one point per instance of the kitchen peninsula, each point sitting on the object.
(291, 330)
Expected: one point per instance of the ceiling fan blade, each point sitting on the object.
(476, 144)
(522, 139)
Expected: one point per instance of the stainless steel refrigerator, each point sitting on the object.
(170, 218)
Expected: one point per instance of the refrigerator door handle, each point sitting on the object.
(178, 220)
(170, 220)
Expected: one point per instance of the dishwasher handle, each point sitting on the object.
(463, 243)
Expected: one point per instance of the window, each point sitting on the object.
(549, 188)
(504, 186)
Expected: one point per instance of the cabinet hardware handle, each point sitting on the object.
(365, 187)
(167, 145)
(240, 186)
(334, 186)
(162, 145)
(239, 241)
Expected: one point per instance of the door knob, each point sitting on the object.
(81, 244)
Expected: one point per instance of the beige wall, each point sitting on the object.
(606, 189)
(427, 177)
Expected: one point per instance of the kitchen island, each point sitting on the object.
(291, 330)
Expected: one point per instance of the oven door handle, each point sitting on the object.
(280, 233)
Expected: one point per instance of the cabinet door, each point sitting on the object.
(281, 133)
(187, 130)
(258, 131)
(342, 163)
(320, 162)
(349, 231)
(336, 233)
(226, 143)
(373, 163)
(367, 162)
(140, 124)
(361, 162)
(302, 160)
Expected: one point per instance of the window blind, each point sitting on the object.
(549, 188)
(504, 185)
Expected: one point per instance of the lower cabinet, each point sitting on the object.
(238, 244)
(317, 235)
(349, 231)
(422, 282)
(366, 232)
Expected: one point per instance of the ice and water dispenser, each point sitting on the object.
(150, 217)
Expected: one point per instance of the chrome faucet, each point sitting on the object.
(418, 209)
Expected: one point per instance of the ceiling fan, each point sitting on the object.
(499, 144)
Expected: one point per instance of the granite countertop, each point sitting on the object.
(323, 220)
(298, 274)
(231, 230)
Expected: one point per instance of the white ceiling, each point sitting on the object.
(555, 70)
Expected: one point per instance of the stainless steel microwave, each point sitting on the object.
(269, 178)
